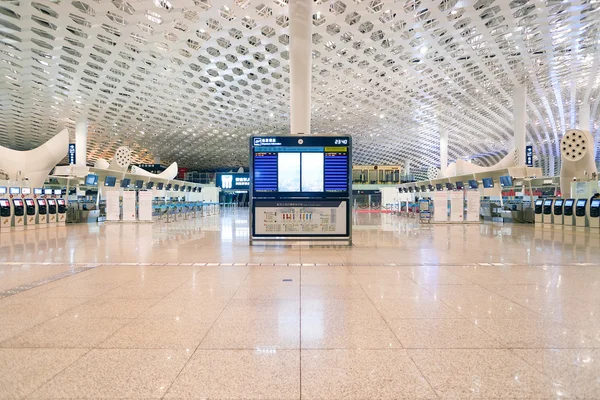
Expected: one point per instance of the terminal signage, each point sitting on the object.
(529, 156)
(72, 158)
(233, 181)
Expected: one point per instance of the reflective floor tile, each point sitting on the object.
(67, 331)
(485, 374)
(262, 373)
(420, 307)
(112, 308)
(204, 311)
(117, 373)
(362, 374)
(174, 333)
(441, 334)
(325, 292)
(24, 370)
(574, 373)
(536, 333)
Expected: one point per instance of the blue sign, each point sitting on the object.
(529, 156)
(72, 158)
(233, 181)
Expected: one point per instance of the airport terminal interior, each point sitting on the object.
(300, 199)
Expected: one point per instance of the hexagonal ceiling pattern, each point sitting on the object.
(190, 80)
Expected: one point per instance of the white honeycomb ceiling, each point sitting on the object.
(190, 80)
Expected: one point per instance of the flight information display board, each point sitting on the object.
(301, 166)
(300, 186)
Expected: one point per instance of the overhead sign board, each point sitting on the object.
(233, 181)
(529, 156)
(72, 158)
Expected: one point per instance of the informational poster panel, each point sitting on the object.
(440, 206)
(145, 205)
(473, 205)
(307, 218)
(129, 205)
(113, 209)
(457, 206)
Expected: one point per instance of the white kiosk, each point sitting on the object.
(51, 207)
(42, 209)
(548, 215)
(594, 214)
(61, 208)
(539, 211)
(569, 212)
(581, 218)
(558, 211)
(18, 208)
(5, 210)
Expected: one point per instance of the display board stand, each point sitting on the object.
(473, 206)
(440, 206)
(129, 206)
(301, 188)
(457, 206)
(145, 206)
(113, 208)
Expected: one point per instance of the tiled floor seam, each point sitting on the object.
(397, 338)
(206, 334)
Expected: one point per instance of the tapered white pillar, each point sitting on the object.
(443, 151)
(407, 167)
(551, 171)
(520, 120)
(81, 130)
(300, 65)
(584, 116)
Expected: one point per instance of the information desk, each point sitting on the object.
(301, 187)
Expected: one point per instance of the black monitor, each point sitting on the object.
(176, 188)
(110, 181)
(410, 190)
(569, 202)
(189, 188)
(449, 186)
(506, 181)
(559, 202)
(91, 180)
(548, 202)
(460, 185)
(125, 183)
(595, 203)
(430, 187)
(488, 183)
(15, 190)
(149, 185)
(38, 191)
(182, 188)
(581, 202)
(160, 186)
(417, 189)
(473, 184)
(438, 186)
(168, 187)
(139, 184)
(26, 190)
(423, 188)
(539, 202)
(194, 190)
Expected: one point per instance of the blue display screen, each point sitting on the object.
(310, 166)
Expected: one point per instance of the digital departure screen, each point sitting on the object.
(2, 189)
(14, 190)
(110, 181)
(25, 190)
(488, 183)
(302, 166)
(38, 191)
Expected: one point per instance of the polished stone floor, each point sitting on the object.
(190, 310)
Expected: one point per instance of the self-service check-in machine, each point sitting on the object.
(548, 216)
(30, 213)
(539, 211)
(558, 211)
(5, 210)
(581, 218)
(42, 213)
(18, 213)
(569, 212)
(52, 212)
(61, 211)
(595, 213)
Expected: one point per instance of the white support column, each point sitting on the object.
(443, 151)
(551, 160)
(520, 120)
(584, 116)
(407, 167)
(81, 128)
(300, 65)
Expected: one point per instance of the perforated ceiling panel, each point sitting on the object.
(190, 80)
